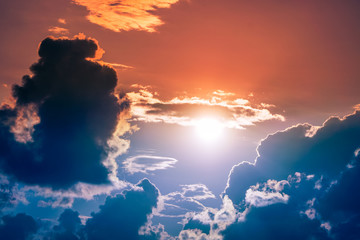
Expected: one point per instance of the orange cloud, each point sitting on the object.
(62, 20)
(125, 15)
(58, 30)
(226, 108)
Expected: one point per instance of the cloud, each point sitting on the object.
(58, 30)
(301, 185)
(69, 227)
(122, 216)
(196, 192)
(148, 163)
(339, 208)
(119, 66)
(193, 235)
(327, 152)
(188, 199)
(273, 213)
(19, 227)
(208, 223)
(67, 119)
(65, 197)
(266, 195)
(229, 111)
(277, 221)
(125, 15)
(10, 195)
(62, 20)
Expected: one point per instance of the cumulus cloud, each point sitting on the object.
(122, 216)
(326, 152)
(67, 119)
(69, 227)
(301, 185)
(148, 163)
(125, 15)
(225, 108)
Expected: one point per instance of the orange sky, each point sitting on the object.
(301, 56)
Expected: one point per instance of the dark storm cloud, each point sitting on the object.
(299, 149)
(78, 113)
(122, 216)
(19, 227)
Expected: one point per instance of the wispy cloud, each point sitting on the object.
(125, 15)
(148, 163)
(226, 108)
(58, 30)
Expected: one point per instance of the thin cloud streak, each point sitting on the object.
(125, 15)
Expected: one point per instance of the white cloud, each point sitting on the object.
(148, 163)
(262, 195)
(225, 108)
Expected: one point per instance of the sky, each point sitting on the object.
(179, 119)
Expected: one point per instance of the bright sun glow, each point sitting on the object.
(209, 129)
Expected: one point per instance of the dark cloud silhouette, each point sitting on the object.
(78, 111)
(19, 227)
(299, 149)
(122, 216)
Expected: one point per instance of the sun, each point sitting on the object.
(209, 129)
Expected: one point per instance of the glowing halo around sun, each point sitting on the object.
(209, 129)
